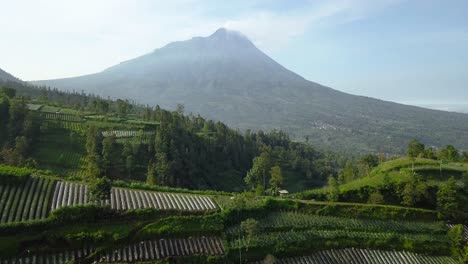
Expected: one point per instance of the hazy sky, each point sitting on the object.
(409, 51)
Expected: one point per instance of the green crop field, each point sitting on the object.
(28, 201)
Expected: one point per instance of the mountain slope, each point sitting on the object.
(225, 77)
(5, 77)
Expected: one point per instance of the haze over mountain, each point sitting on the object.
(225, 77)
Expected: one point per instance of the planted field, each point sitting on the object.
(143, 251)
(62, 117)
(364, 256)
(28, 201)
(297, 221)
(120, 133)
(303, 241)
(68, 194)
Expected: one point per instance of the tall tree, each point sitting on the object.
(251, 228)
(414, 191)
(110, 157)
(276, 179)
(333, 190)
(447, 203)
(100, 189)
(449, 153)
(93, 149)
(259, 173)
(414, 150)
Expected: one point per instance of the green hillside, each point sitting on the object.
(85, 180)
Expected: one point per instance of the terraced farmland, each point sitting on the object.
(299, 221)
(61, 117)
(318, 238)
(143, 251)
(120, 133)
(68, 194)
(28, 201)
(365, 256)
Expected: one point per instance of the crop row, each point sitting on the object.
(24, 202)
(68, 194)
(77, 127)
(297, 220)
(61, 117)
(120, 133)
(364, 256)
(142, 251)
(125, 133)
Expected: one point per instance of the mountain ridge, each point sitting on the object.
(5, 77)
(225, 77)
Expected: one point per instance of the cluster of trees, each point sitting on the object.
(106, 157)
(18, 129)
(263, 176)
(77, 100)
(191, 152)
(416, 149)
(354, 170)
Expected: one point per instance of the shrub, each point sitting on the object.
(14, 175)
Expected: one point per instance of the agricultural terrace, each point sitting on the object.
(363, 256)
(70, 194)
(150, 250)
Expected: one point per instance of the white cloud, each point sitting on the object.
(44, 39)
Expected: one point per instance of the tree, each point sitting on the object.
(93, 148)
(414, 150)
(465, 182)
(376, 198)
(449, 153)
(447, 203)
(349, 173)
(99, 189)
(464, 156)
(414, 191)
(259, 172)
(163, 169)
(456, 234)
(370, 160)
(276, 179)
(151, 174)
(429, 153)
(128, 156)
(9, 92)
(334, 190)
(123, 107)
(110, 156)
(249, 227)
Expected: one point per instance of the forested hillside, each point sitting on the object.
(80, 136)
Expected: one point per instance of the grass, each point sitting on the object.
(398, 171)
(50, 109)
(182, 226)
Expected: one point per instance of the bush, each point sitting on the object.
(14, 175)
(148, 187)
